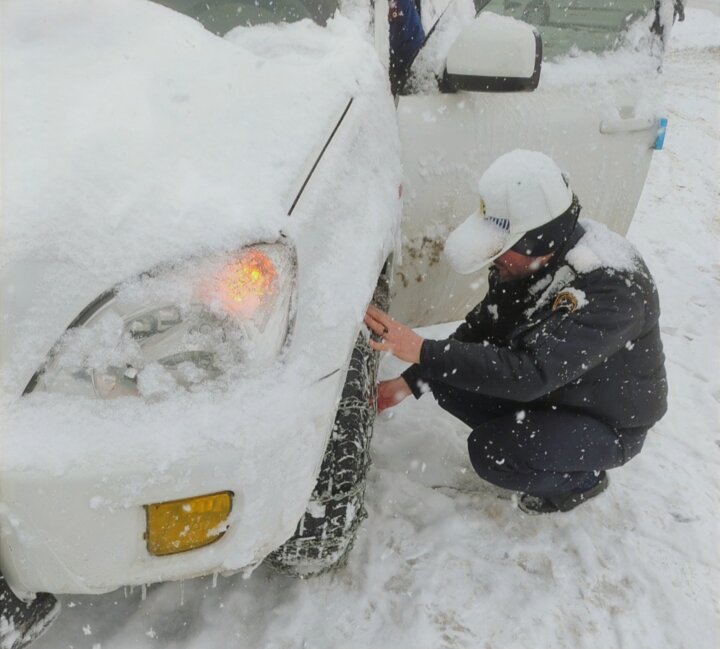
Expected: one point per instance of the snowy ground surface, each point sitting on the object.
(443, 562)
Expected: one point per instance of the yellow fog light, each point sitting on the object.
(181, 525)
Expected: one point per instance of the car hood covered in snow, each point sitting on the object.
(133, 137)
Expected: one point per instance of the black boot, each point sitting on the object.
(541, 505)
(20, 622)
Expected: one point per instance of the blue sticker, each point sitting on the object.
(660, 141)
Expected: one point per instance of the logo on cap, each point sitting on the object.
(481, 209)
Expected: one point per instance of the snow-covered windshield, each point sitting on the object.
(220, 16)
(567, 25)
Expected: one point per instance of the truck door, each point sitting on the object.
(594, 112)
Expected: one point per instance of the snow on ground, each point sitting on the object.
(437, 566)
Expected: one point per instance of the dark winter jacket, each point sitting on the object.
(406, 38)
(582, 334)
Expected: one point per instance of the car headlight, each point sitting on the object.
(178, 327)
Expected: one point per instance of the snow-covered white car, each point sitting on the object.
(193, 228)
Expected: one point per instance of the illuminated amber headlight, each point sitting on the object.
(194, 323)
(182, 525)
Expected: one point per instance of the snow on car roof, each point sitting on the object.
(132, 135)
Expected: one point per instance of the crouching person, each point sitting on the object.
(559, 371)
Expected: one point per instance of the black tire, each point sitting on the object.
(327, 531)
(23, 622)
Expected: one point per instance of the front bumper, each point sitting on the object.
(82, 531)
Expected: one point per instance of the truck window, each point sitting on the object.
(568, 25)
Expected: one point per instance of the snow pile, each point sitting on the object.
(601, 247)
(133, 137)
(700, 29)
(97, 173)
(581, 67)
(134, 147)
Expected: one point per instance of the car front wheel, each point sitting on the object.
(326, 532)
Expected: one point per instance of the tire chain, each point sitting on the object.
(23, 622)
(321, 543)
(326, 533)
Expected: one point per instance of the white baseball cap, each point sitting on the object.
(519, 192)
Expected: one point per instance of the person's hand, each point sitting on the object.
(399, 340)
(392, 392)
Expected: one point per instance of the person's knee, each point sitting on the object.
(490, 453)
(494, 462)
(501, 443)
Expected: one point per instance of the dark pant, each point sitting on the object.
(537, 449)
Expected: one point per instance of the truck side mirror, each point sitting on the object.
(494, 54)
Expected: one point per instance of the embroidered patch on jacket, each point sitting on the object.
(567, 301)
